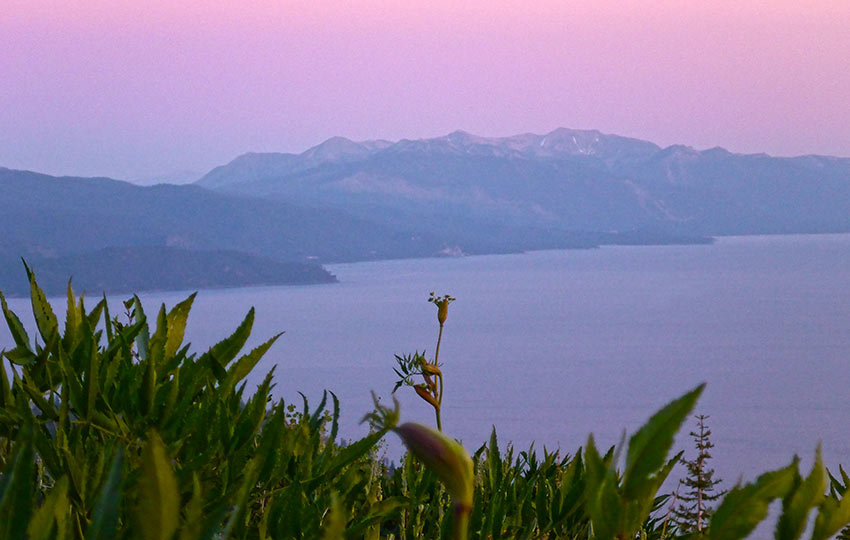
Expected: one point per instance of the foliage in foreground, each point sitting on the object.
(113, 429)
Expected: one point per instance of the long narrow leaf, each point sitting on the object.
(104, 525)
(832, 516)
(176, 321)
(745, 507)
(16, 487)
(246, 363)
(16, 328)
(649, 446)
(226, 350)
(158, 510)
(796, 507)
(54, 508)
(45, 319)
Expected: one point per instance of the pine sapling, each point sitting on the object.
(695, 508)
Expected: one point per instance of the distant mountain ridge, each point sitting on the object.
(274, 218)
(563, 181)
(115, 236)
(58, 216)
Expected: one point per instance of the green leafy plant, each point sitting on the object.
(618, 505)
(108, 421)
(746, 505)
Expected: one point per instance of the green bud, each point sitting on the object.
(444, 456)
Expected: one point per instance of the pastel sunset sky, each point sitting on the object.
(140, 89)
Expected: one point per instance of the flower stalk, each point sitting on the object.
(409, 366)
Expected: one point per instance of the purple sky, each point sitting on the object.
(88, 88)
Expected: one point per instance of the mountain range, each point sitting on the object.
(566, 180)
(274, 217)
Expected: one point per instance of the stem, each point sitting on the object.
(700, 462)
(670, 511)
(437, 352)
(439, 404)
(440, 396)
(460, 523)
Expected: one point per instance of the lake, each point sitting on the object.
(550, 346)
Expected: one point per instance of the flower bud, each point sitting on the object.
(442, 310)
(424, 394)
(442, 304)
(444, 456)
(431, 369)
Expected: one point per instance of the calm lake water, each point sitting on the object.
(550, 346)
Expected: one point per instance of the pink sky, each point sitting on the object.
(151, 88)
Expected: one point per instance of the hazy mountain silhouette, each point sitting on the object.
(566, 180)
(49, 221)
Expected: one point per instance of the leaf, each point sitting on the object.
(156, 345)
(6, 398)
(104, 525)
(149, 385)
(193, 524)
(45, 319)
(72, 320)
(176, 322)
(347, 455)
(158, 509)
(55, 507)
(745, 507)
(38, 399)
(21, 356)
(92, 385)
(144, 335)
(16, 487)
(329, 448)
(604, 505)
(19, 334)
(96, 311)
(832, 516)
(251, 418)
(126, 336)
(334, 524)
(246, 363)
(378, 512)
(107, 321)
(226, 350)
(649, 446)
(796, 506)
(494, 461)
(242, 503)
